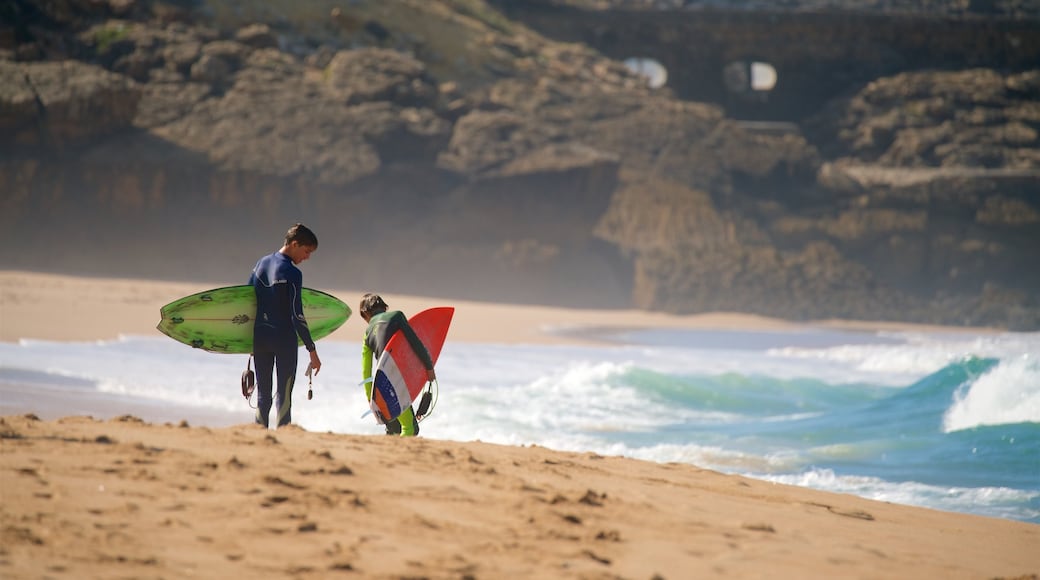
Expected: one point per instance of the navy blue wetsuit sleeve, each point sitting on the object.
(295, 280)
(254, 276)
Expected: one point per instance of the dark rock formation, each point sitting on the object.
(439, 147)
(975, 118)
(55, 105)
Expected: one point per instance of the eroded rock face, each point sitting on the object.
(977, 118)
(374, 74)
(56, 105)
(530, 171)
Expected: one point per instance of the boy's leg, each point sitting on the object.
(264, 368)
(286, 378)
(409, 426)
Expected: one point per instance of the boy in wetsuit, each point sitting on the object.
(279, 320)
(381, 326)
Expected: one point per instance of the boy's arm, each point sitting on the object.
(366, 368)
(417, 345)
(298, 320)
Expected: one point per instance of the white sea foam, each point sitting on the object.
(571, 388)
(917, 355)
(991, 501)
(715, 457)
(1008, 393)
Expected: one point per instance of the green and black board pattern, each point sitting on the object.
(221, 320)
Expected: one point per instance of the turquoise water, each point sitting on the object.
(848, 429)
(946, 421)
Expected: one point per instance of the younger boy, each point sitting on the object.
(381, 326)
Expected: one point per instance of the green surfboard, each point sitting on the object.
(221, 320)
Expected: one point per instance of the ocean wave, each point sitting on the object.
(1008, 393)
(918, 355)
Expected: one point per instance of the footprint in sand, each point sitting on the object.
(857, 514)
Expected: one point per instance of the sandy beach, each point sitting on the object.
(90, 498)
(54, 307)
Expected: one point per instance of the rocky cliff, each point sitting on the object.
(442, 147)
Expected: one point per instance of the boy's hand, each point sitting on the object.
(315, 361)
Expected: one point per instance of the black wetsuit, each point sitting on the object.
(279, 321)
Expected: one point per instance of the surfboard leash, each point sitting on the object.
(428, 401)
(310, 382)
(249, 382)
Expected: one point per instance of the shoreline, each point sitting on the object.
(71, 308)
(63, 308)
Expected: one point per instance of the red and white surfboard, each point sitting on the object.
(399, 374)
